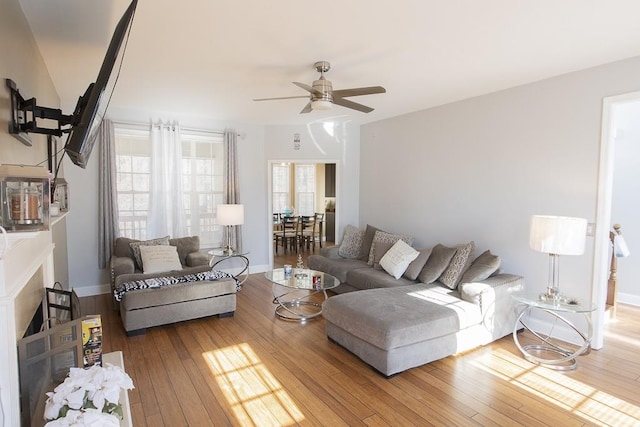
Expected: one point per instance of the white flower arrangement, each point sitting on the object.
(88, 397)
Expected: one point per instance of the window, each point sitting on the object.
(202, 169)
(305, 189)
(133, 167)
(281, 184)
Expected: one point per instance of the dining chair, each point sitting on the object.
(289, 234)
(306, 231)
(317, 228)
(277, 229)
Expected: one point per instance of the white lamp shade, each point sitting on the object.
(321, 104)
(230, 214)
(558, 235)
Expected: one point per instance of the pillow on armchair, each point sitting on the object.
(159, 258)
(135, 247)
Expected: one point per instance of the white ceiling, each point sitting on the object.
(210, 58)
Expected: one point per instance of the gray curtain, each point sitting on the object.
(108, 228)
(231, 187)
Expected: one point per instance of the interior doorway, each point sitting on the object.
(288, 196)
(612, 107)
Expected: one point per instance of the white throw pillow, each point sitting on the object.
(398, 258)
(159, 258)
(384, 237)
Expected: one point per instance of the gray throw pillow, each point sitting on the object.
(458, 265)
(482, 267)
(379, 250)
(417, 264)
(367, 241)
(436, 264)
(135, 248)
(351, 242)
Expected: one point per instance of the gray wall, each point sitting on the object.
(478, 169)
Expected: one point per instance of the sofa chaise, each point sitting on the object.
(445, 301)
(153, 306)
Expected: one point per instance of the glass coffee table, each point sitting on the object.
(299, 295)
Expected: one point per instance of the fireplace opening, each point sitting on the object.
(36, 323)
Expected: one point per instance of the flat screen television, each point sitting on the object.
(92, 106)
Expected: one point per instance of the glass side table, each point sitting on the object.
(219, 255)
(549, 351)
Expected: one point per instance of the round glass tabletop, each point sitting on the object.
(302, 279)
(567, 307)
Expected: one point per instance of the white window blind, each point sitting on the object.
(305, 189)
(281, 184)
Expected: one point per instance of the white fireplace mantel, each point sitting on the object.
(26, 266)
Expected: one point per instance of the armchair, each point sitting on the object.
(143, 308)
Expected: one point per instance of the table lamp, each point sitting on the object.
(229, 215)
(557, 235)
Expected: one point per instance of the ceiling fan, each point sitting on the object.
(322, 96)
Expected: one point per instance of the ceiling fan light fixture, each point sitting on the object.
(321, 104)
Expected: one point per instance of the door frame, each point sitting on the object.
(270, 163)
(603, 212)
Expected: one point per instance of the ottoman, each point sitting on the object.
(394, 329)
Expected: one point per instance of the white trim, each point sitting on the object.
(630, 299)
(88, 291)
(269, 217)
(603, 214)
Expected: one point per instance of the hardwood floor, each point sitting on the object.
(252, 369)
(283, 257)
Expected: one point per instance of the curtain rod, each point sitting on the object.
(188, 129)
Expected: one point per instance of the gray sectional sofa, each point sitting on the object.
(396, 324)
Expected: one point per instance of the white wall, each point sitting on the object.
(626, 203)
(478, 169)
(22, 63)
(319, 145)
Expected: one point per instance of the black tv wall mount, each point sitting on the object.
(25, 114)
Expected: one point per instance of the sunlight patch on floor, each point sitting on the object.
(253, 393)
(593, 405)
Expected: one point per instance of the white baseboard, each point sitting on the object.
(87, 291)
(630, 299)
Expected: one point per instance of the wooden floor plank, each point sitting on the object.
(254, 369)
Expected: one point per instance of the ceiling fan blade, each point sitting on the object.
(359, 91)
(307, 108)
(308, 88)
(284, 97)
(350, 104)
